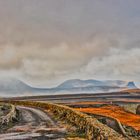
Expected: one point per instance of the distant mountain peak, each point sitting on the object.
(131, 85)
(75, 83)
(13, 85)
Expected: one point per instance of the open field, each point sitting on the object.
(113, 113)
(113, 97)
(132, 90)
(36, 123)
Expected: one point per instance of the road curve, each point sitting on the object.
(34, 124)
(32, 114)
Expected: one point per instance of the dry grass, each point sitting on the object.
(4, 120)
(115, 112)
(91, 126)
(132, 90)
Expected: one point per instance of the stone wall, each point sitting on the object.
(5, 120)
(94, 129)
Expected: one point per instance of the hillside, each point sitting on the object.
(15, 87)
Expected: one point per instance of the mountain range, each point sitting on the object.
(15, 87)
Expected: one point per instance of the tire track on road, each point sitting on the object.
(34, 124)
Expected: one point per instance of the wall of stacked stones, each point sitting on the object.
(94, 129)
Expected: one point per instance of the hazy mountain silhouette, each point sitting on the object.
(12, 86)
(75, 83)
(131, 85)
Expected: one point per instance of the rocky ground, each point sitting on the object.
(35, 124)
(41, 124)
(4, 109)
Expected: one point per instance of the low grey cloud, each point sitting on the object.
(45, 42)
(119, 63)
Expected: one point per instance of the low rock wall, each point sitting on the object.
(94, 129)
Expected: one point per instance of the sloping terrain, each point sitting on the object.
(8, 114)
(113, 97)
(136, 90)
(91, 104)
(126, 118)
(14, 87)
(34, 124)
(85, 124)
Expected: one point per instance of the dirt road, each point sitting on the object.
(34, 125)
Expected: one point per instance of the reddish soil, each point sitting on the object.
(116, 112)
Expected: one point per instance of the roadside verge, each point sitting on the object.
(94, 129)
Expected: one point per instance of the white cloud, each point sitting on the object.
(119, 64)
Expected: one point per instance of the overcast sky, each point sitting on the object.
(45, 42)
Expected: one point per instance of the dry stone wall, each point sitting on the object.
(94, 129)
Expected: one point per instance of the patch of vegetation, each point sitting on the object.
(85, 123)
(4, 109)
(130, 107)
(76, 133)
(8, 117)
(73, 133)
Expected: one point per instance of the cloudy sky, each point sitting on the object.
(45, 42)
